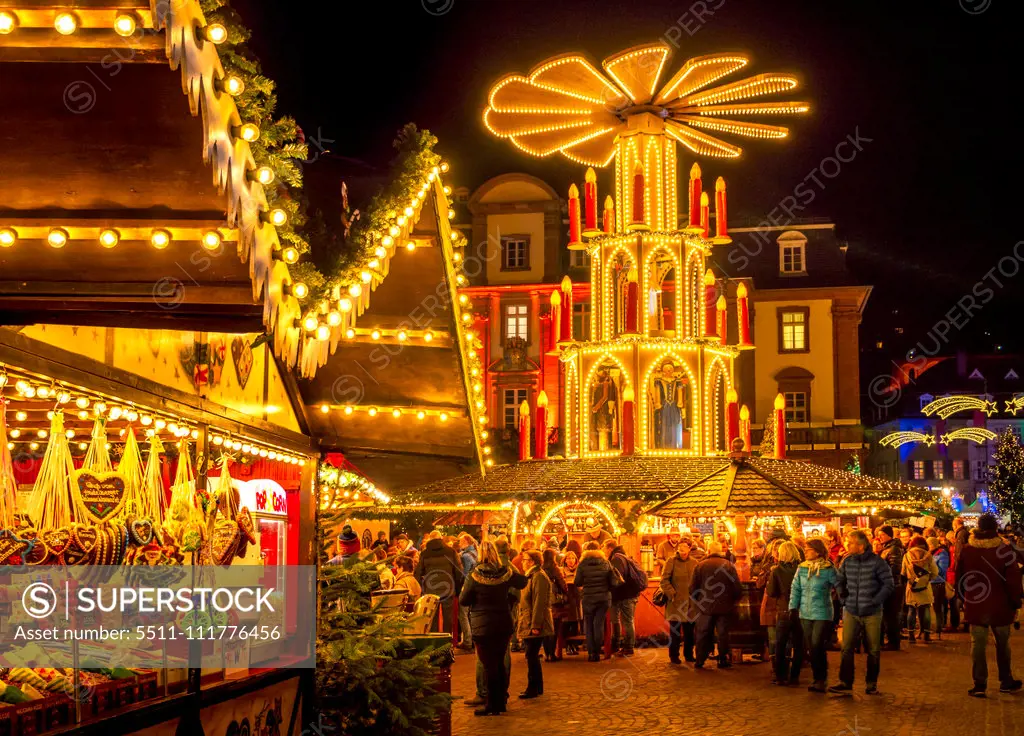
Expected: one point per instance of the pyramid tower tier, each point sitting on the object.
(645, 146)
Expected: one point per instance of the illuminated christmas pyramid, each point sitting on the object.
(655, 376)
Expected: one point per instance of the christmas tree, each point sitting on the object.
(369, 678)
(1006, 477)
(853, 464)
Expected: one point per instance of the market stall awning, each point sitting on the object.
(651, 478)
(739, 488)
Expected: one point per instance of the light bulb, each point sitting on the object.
(325, 408)
(375, 334)
(323, 332)
(443, 416)
(125, 24)
(250, 132)
(264, 453)
(145, 420)
(218, 440)
(355, 291)
(410, 246)
(211, 240)
(333, 318)
(278, 217)
(310, 323)
(345, 304)
(69, 434)
(109, 238)
(57, 237)
(33, 445)
(66, 23)
(82, 446)
(83, 414)
(290, 255)
(380, 251)
(115, 412)
(172, 428)
(366, 276)
(42, 433)
(216, 33)
(348, 409)
(8, 22)
(15, 433)
(396, 413)
(387, 241)
(444, 167)
(451, 214)
(428, 336)
(160, 239)
(402, 336)
(372, 412)
(421, 415)
(300, 290)
(234, 86)
(393, 231)
(350, 333)
(265, 175)
(42, 392)
(159, 424)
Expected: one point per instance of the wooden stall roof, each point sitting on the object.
(739, 488)
(629, 477)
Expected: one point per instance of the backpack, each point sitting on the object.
(634, 580)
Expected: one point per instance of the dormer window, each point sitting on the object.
(792, 253)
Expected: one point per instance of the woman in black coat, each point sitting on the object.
(559, 600)
(488, 594)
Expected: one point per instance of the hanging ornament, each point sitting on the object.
(55, 501)
(96, 456)
(153, 499)
(8, 483)
(130, 468)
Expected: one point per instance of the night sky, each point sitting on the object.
(928, 207)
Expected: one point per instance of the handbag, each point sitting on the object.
(660, 599)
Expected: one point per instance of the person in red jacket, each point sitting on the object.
(988, 582)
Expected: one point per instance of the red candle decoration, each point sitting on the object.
(695, 196)
(556, 319)
(574, 215)
(628, 431)
(722, 317)
(743, 315)
(721, 224)
(609, 215)
(745, 427)
(524, 431)
(780, 427)
(566, 313)
(590, 203)
(632, 302)
(638, 195)
(709, 304)
(705, 214)
(732, 417)
(540, 450)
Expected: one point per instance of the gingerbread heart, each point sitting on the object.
(141, 531)
(56, 540)
(102, 494)
(226, 536)
(83, 545)
(13, 548)
(246, 526)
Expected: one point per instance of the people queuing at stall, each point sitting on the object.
(556, 597)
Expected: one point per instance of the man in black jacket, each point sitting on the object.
(623, 608)
(892, 552)
(714, 590)
(596, 578)
(439, 572)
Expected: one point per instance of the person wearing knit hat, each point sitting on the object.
(811, 596)
(892, 552)
(988, 564)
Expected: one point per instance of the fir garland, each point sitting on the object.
(281, 146)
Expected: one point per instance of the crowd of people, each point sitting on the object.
(878, 588)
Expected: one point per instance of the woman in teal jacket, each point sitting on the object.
(811, 595)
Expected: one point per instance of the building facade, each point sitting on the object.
(805, 313)
(936, 402)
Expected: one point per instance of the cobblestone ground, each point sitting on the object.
(923, 692)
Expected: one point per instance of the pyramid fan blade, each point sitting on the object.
(504, 124)
(637, 70)
(575, 76)
(516, 94)
(761, 84)
(597, 150)
(701, 143)
(736, 127)
(698, 73)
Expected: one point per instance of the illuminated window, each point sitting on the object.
(515, 253)
(581, 321)
(517, 321)
(793, 329)
(796, 406)
(579, 259)
(511, 399)
(918, 470)
(792, 253)
(959, 469)
(938, 470)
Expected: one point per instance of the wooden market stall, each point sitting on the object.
(150, 350)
